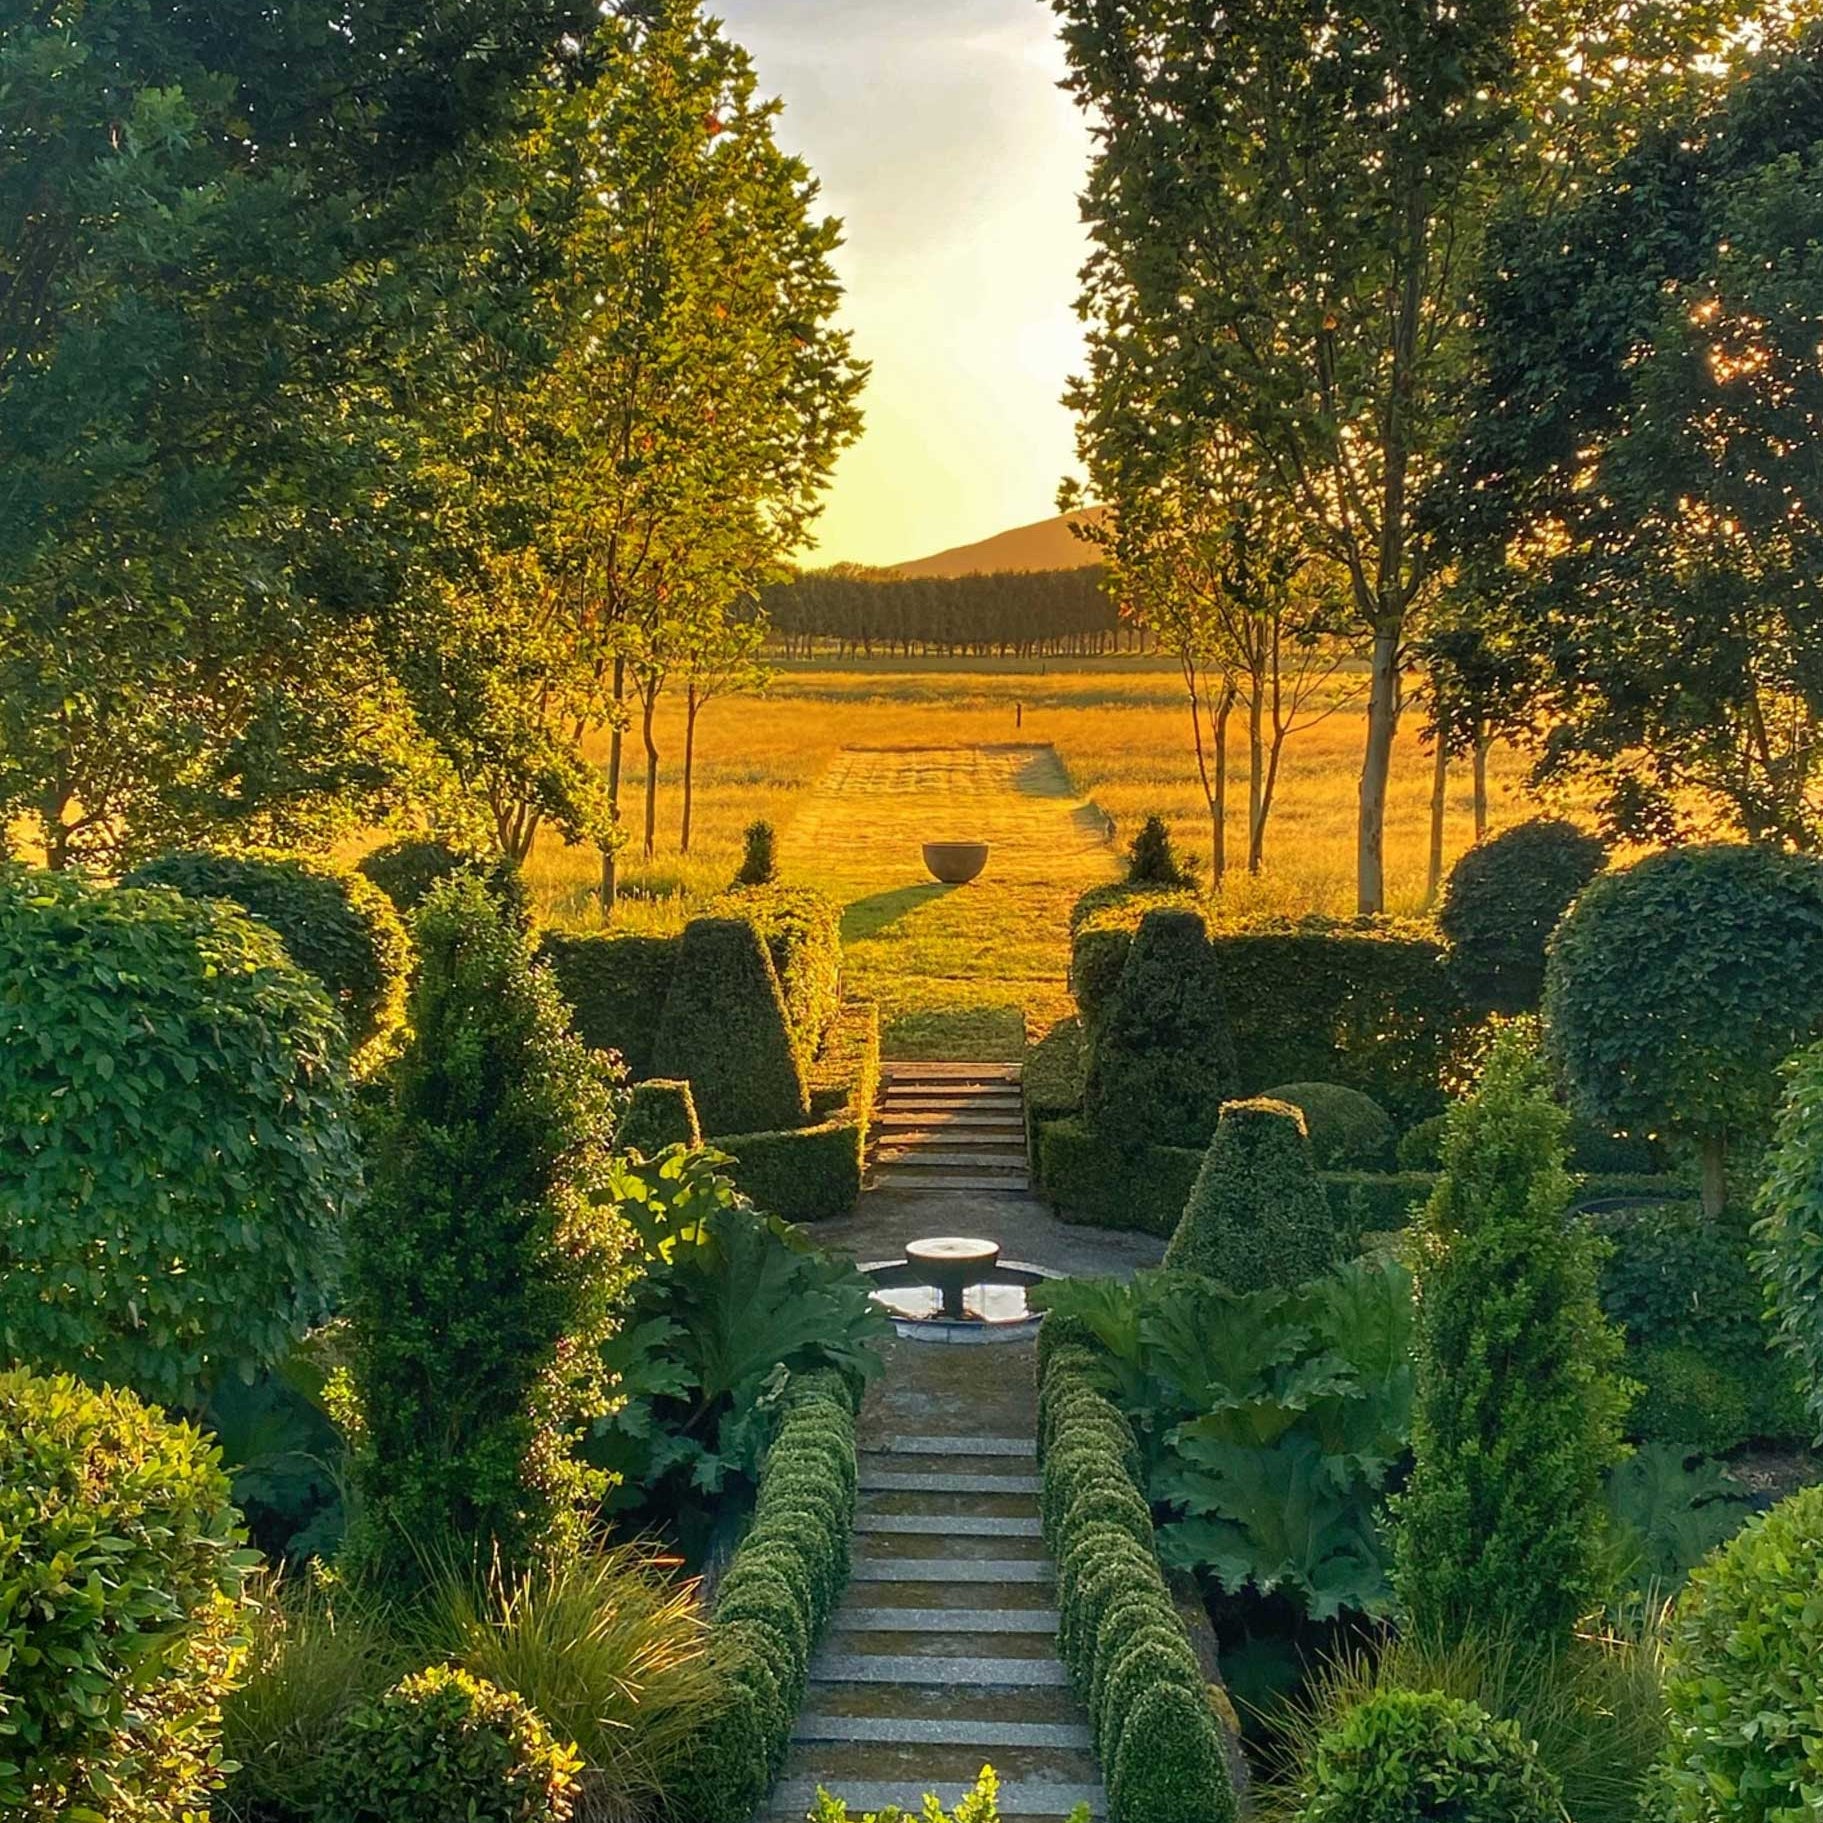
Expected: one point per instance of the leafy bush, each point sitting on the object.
(1102, 923)
(1411, 1753)
(1093, 1177)
(1169, 1766)
(443, 1744)
(1677, 986)
(480, 1262)
(981, 1804)
(177, 1148)
(660, 1114)
(1161, 1060)
(1051, 1079)
(1504, 898)
(1152, 859)
(616, 989)
(759, 856)
(1790, 1232)
(1667, 1512)
(1518, 1410)
(1348, 1131)
(802, 931)
(804, 1174)
(408, 867)
(1592, 1151)
(845, 1079)
(1421, 1147)
(1686, 1398)
(335, 924)
(122, 1623)
(1257, 1215)
(725, 1029)
(1744, 1675)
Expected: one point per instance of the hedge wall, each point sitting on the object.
(1119, 1633)
(783, 1582)
(1052, 1080)
(616, 987)
(847, 1075)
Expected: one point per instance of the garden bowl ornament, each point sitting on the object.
(955, 863)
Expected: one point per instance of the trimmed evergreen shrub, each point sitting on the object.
(802, 931)
(1153, 860)
(1405, 1754)
(660, 1114)
(1169, 1766)
(1091, 1177)
(1504, 898)
(1257, 1215)
(759, 856)
(724, 1028)
(1348, 1131)
(805, 1174)
(1685, 1398)
(1102, 923)
(1502, 1527)
(845, 1079)
(1744, 1675)
(1161, 1061)
(177, 1141)
(122, 1616)
(1051, 1079)
(335, 924)
(616, 989)
(1421, 1147)
(480, 1259)
(444, 1745)
(1790, 1232)
(407, 869)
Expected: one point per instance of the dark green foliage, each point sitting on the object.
(407, 868)
(1092, 1177)
(616, 989)
(1790, 1233)
(1742, 1672)
(335, 924)
(445, 1745)
(1374, 1202)
(177, 1147)
(1161, 1060)
(802, 931)
(1688, 1399)
(1677, 986)
(725, 1029)
(845, 1079)
(1257, 1216)
(1153, 861)
(1102, 923)
(1668, 1508)
(1169, 1766)
(804, 1174)
(1406, 1754)
(1502, 1528)
(1503, 900)
(1421, 1146)
(480, 1259)
(1348, 1131)
(1051, 1080)
(759, 858)
(660, 1114)
(121, 1612)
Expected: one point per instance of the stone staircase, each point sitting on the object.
(950, 1126)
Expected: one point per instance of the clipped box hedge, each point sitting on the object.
(802, 931)
(1052, 1081)
(616, 987)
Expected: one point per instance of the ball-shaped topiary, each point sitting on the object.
(407, 869)
(445, 1745)
(661, 1114)
(1743, 1664)
(1348, 1131)
(1405, 1754)
(177, 1144)
(1169, 1765)
(1676, 987)
(122, 1618)
(1257, 1215)
(1161, 1058)
(335, 924)
(1503, 900)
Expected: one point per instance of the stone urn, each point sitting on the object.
(955, 863)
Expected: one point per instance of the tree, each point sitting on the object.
(1517, 1415)
(721, 658)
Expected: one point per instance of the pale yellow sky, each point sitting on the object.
(942, 140)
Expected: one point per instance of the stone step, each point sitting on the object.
(952, 1446)
(964, 1547)
(1036, 1798)
(941, 1673)
(920, 1070)
(931, 1620)
(925, 1107)
(876, 1479)
(942, 1731)
(974, 1158)
(952, 1569)
(898, 1178)
(947, 1525)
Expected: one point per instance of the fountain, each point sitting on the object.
(954, 1288)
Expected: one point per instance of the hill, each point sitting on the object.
(1048, 545)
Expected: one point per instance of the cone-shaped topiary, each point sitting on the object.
(1161, 1061)
(1153, 860)
(1257, 1215)
(661, 1114)
(759, 856)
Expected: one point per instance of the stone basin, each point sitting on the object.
(955, 863)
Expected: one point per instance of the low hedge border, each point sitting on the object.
(773, 1601)
(1052, 1080)
(1163, 1752)
(846, 1077)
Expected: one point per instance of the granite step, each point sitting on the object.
(952, 1570)
(942, 1731)
(974, 1673)
(899, 1179)
(878, 1478)
(934, 1547)
(918, 1069)
(1035, 1798)
(859, 1619)
(948, 1525)
(953, 1446)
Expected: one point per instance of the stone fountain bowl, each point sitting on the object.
(955, 863)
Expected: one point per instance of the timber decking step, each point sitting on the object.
(946, 1525)
(943, 1620)
(941, 1673)
(877, 1480)
(942, 1731)
(952, 1569)
(952, 1446)
(899, 1179)
(1049, 1799)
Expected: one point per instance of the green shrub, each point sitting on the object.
(1421, 1146)
(660, 1114)
(1161, 1060)
(1169, 1766)
(444, 1745)
(334, 923)
(1677, 986)
(1502, 1525)
(478, 1261)
(1688, 1399)
(1051, 1079)
(759, 856)
(1102, 923)
(802, 931)
(1257, 1215)
(122, 1616)
(406, 870)
(1348, 1131)
(725, 1029)
(980, 1804)
(804, 1174)
(1504, 898)
(1362, 1203)
(1790, 1232)
(1598, 1153)
(177, 1144)
(1403, 1754)
(1152, 859)
(616, 989)
(1744, 1675)
(1092, 1177)
(845, 1079)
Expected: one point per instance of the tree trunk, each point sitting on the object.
(1256, 772)
(690, 712)
(1220, 808)
(648, 709)
(1482, 744)
(610, 855)
(1440, 781)
(1715, 1173)
(1376, 769)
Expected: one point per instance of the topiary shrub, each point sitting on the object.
(1789, 1236)
(1676, 987)
(122, 1618)
(1406, 1754)
(1348, 1131)
(802, 931)
(444, 1745)
(725, 1030)
(335, 924)
(1257, 1215)
(759, 856)
(1742, 1668)
(616, 988)
(482, 1272)
(177, 1144)
(407, 868)
(1153, 860)
(660, 1114)
(1686, 1398)
(1516, 1419)
(1161, 1061)
(1169, 1766)
(1503, 900)
(1421, 1147)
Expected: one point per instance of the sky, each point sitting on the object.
(943, 142)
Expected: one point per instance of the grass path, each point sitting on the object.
(954, 968)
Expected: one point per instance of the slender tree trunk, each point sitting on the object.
(1219, 810)
(690, 713)
(610, 855)
(1256, 770)
(1376, 770)
(647, 710)
(1715, 1173)
(1481, 782)
(1440, 781)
